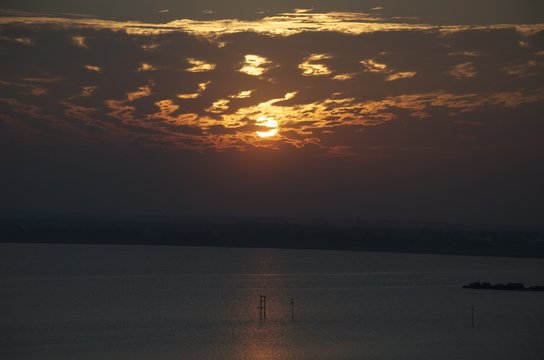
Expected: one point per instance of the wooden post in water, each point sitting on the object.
(292, 309)
(264, 307)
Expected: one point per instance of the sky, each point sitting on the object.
(379, 110)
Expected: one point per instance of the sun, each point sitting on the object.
(269, 123)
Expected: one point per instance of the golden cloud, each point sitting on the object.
(199, 65)
(312, 67)
(146, 67)
(219, 106)
(400, 75)
(373, 66)
(284, 24)
(93, 68)
(343, 77)
(255, 65)
(201, 88)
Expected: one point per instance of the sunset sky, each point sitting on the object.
(379, 110)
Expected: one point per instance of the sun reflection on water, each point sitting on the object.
(272, 338)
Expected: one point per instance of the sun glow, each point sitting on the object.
(269, 123)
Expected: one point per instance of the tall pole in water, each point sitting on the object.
(292, 309)
(472, 316)
(261, 307)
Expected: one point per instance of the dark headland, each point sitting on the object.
(508, 286)
(288, 234)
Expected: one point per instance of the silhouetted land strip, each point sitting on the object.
(508, 286)
(263, 234)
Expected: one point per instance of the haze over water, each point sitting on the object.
(138, 302)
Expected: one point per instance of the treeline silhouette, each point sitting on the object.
(259, 234)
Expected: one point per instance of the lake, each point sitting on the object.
(144, 302)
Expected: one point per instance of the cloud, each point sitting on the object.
(400, 75)
(242, 94)
(19, 40)
(464, 70)
(313, 67)
(343, 77)
(219, 106)
(93, 68)
(466, 53)
(146, 67)
(201, 88)
(326, 90)
(199, 65)
(283, 24)
(79, 41)
(255, 65)
(87, 91)
(528, 69)
(373, 66)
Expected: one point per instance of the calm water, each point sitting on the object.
(114, 302)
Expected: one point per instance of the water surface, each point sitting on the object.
(143, 302)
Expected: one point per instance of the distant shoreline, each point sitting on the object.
(500, 243)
